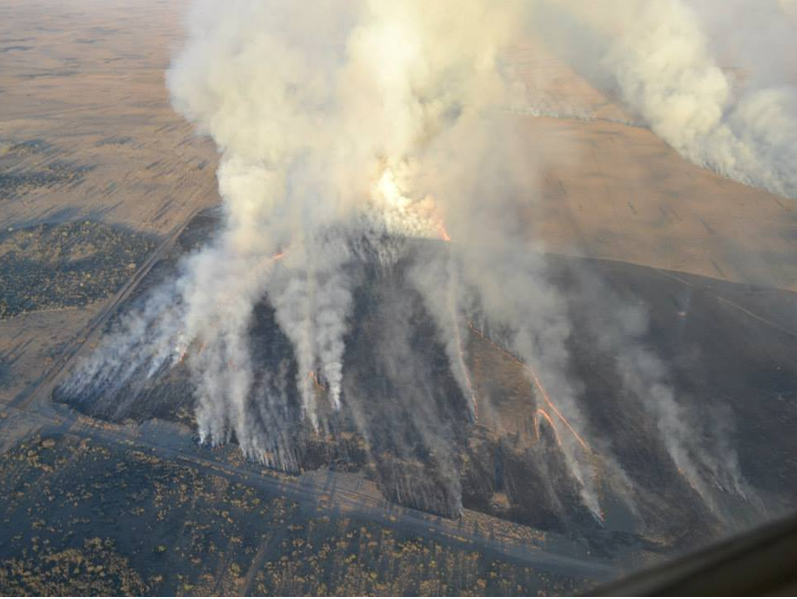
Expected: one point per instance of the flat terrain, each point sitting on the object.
(611, 189)
(83, 84)
(133, 522)
(87, 134)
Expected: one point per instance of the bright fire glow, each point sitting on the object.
(314, 377)
(441, 228)
(403, 213)
(389, 190)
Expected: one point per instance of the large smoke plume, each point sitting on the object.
(346, 127)
(658, 58)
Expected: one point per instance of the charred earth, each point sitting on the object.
(728, 348)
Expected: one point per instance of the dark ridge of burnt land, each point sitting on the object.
(397, 381)
(727, 349)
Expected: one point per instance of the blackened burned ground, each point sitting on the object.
(728, 351)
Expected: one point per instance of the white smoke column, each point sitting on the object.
(245, 80)
(664, 70)
(219, 290)
(475, 176)
(312, 297)
(700, 451)
(322, 116)
(437, 279)
(658, 56)
(328, 122)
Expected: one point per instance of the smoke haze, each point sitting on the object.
(658, 58)
(346, 129)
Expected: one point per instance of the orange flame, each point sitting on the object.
(548, 419)
(537, 383)
(544, 394)
(314, 377)
(441, 229)
(184, 353)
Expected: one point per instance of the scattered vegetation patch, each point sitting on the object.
(18, 178)
(66, 265)
(95, 569)
(11, 149)
(79, 517)
(52, 175)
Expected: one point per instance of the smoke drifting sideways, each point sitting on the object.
(663, 59)
(345, 128)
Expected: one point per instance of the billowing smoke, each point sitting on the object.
(320, 116)
(658, 58)
(346, 129)
(704, 460)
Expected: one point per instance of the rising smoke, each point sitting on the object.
(656, 56)
(345, 128)
(322, 120)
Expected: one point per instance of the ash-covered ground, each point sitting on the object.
(728, 347)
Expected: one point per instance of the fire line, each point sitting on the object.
(537, 383)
